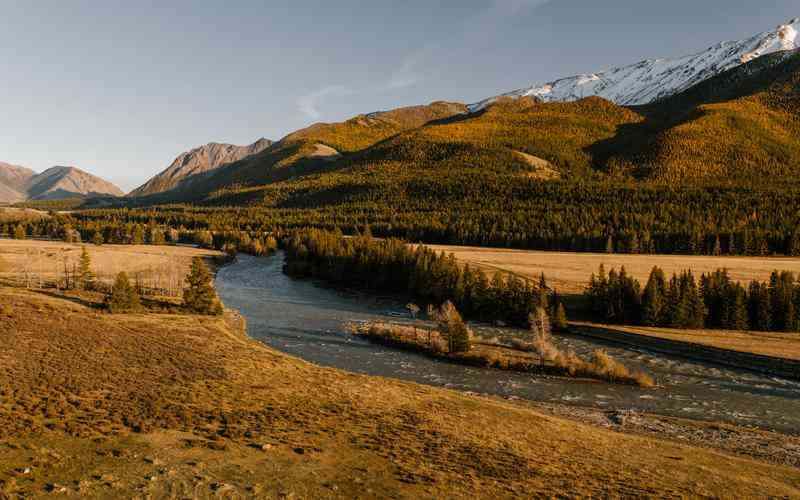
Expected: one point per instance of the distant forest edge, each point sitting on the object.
(554, 216)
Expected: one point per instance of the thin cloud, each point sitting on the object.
(476, 31)
(309, 104)
(420, 64)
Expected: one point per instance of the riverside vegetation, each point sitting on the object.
(391, 265)
(718, 302)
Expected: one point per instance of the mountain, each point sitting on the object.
(741, 126)
(192, 165)
(725, 116)
(654, 79)
(13, 181)
(314, 149)
(68, 182)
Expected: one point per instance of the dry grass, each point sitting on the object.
(179, 406)
(10, 214)
(163, 266)
(775, 344)
(570, 272)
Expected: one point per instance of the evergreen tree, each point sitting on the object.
(654, 299)
(85, 276)
(137, 236)
(717, 250)
(560, 321)
(123, 297)
(793, 247)
(610, 244)
(759, 307)
(19, 232)
(97, 239)
(199, 295)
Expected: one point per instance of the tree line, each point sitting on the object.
(97, 232)
(481, 210)
(391, 265)
(716, 301)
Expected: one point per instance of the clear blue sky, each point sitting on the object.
(119, 88)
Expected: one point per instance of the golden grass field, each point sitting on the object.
(775, 344)
(10, 214)
(569, 273)
(148, 405)
(44, 260)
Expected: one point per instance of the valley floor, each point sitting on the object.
(569, 272)
(174, 405)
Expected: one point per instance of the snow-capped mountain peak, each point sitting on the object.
(654, 79)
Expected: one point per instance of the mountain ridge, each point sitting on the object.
(190, 165)
(59, 182)
(652, 79)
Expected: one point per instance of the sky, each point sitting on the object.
(120, 88)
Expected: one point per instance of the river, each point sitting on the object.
(305, 319)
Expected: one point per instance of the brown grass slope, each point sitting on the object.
(180, 406)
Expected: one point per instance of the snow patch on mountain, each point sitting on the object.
(654, 79)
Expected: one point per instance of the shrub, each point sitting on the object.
(123, 297)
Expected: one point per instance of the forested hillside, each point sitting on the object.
(712, 170)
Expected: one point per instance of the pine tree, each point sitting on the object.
(739, 319)
(85, 276)
(560, 321)
(137, 237)
(654, 298)
(97, 239)
(717, 250)
(199, 296)
(610, 244)
(759, 307)
(19, 232)
(793, 247)
(123, 297)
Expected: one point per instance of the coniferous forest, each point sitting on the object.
(493, 211)
(715, 301)
(430, 278)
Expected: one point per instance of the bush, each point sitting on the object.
(123, 296)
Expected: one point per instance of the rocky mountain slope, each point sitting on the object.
(647, 81)
(193, 165)
(20, 183)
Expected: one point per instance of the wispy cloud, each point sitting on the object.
(423, 62)
(309, 104)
